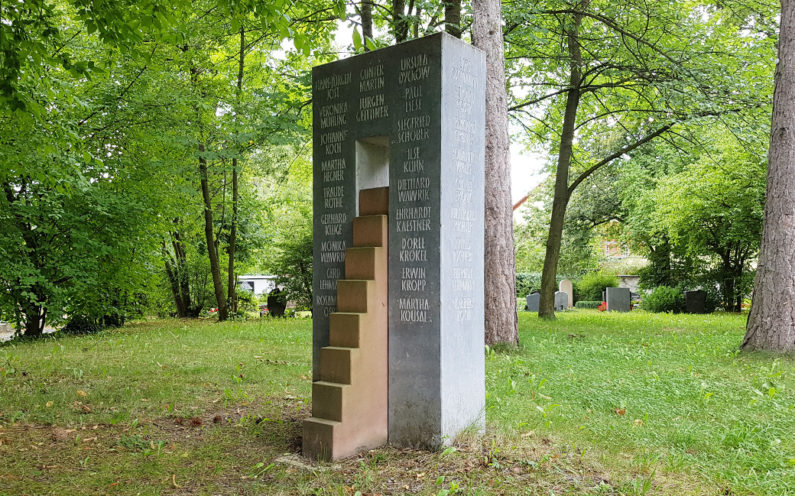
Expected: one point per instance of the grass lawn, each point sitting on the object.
(591, 404)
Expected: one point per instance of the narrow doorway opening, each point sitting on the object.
(372, 164)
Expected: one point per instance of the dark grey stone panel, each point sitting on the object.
(618, 299)
(415, 396)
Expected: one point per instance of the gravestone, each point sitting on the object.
(277, 303)
(410, 118)
(533, 301)
(567, 287)
(695, 301)
(561, 301)
(618, 299)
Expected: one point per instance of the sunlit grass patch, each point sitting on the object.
(592, 403)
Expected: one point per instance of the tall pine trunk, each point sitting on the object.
(771, 323)
(500, 267)
(546, 305)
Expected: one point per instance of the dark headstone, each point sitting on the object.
(695, 301)
(532, 302)
(561, 301)
(277, 302)
(618, 299)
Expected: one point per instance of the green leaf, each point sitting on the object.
(370, 43)
(357, 40)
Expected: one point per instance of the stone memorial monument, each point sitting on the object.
(533, 301)
(398, 248)
(618, 299)
(567, 287)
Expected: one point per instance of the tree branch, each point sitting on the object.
(582, 177)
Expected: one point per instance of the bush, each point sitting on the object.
(527, 282)
(587, 304)
(81, 324)
(246, 302)
(591, 285)
(293, 267)
(713, 298)
(664, 299)
(530, 282)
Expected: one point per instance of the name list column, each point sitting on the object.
(413, 215)
(332, 121)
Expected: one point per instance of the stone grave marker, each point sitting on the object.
(567, 287)
(618, 299)
(696, 301)
(398, 247)
(561, 301)
(533, 301)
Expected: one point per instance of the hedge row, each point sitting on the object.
(587, 304)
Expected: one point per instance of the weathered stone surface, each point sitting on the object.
(561, 301)
(410, 117)
(695, 301)
(533, 300)
(567, 287)
(618, 299)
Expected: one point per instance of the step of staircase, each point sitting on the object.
(349, 402)
(370, 230)
(337, 364)
(328, 400)
(352, 294)
(360, 262)
(345, 329)
(374, 201)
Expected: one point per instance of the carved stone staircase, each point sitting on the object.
(349, 401)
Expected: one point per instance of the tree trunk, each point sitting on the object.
(726, 281)
(35, 318)
(399, 22)
(452, 17)
(771, 323)
(367, 21)
(212, 252)
(231, 287)
(546, 305)
(172, 272)
(500, 266)
(177, 272)
(181, 269)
